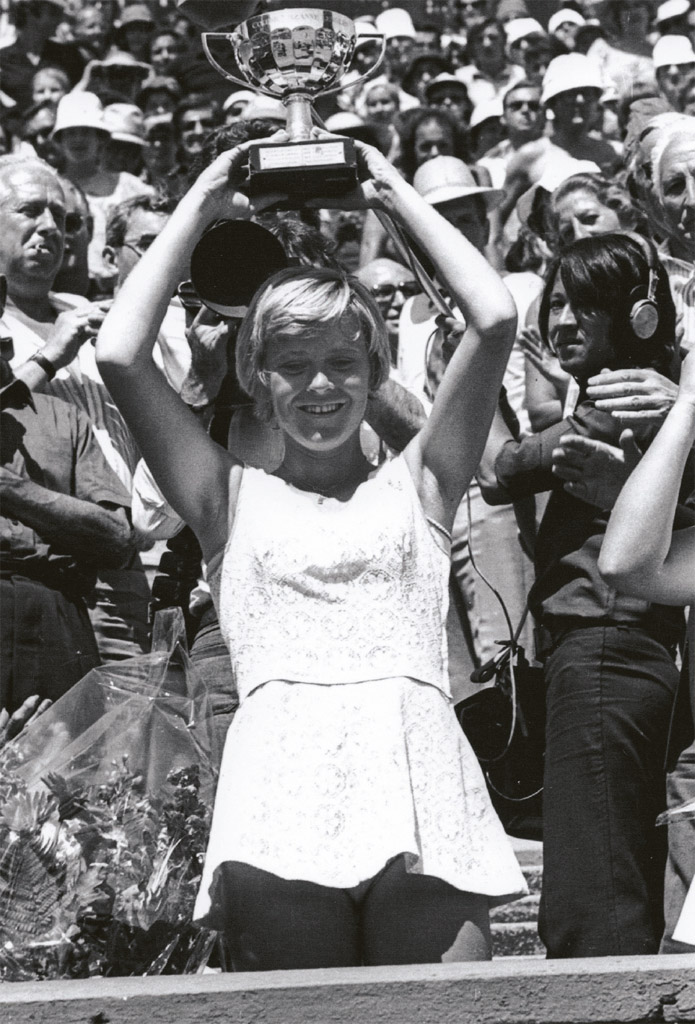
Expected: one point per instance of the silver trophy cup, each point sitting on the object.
(294, 55)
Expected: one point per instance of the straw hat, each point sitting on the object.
(672, 50)
(444, 178)
(125, 123)
(567, 72)
(79, 110)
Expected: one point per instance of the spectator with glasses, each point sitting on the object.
(73, 275)
(391, 284)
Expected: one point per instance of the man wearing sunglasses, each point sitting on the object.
(391, 284)
(73, 275)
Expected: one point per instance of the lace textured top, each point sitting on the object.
(312, 589)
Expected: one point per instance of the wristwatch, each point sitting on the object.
(46, 365)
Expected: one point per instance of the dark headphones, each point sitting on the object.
(644, 311)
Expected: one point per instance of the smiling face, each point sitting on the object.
(579, 338)
(580, 214)
(32, 227)
(677, 167)
(319, 383)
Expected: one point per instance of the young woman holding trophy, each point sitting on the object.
(352, 823)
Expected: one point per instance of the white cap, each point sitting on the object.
(486, 110)
(671, 9)
(444, 178)
(673, 50)
(79, 110)
(395, 23)
(564, 16)
(570, 71)
(519, 28)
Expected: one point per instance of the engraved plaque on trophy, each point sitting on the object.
(295, 55)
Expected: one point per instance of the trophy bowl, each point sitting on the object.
(294, 55)
(295, 50)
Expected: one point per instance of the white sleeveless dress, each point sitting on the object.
(345, 751)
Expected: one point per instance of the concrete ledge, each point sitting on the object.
(609, 990)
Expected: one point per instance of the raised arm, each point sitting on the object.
(641, 554)
(192, 471)
(448, 449)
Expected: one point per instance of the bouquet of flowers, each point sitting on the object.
(105, 807)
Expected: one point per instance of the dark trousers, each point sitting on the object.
(610, 690)
(47, 642)
(211, 658)
(680, 869)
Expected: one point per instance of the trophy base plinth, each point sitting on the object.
(303, 170)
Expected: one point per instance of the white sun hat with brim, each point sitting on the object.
(672, 50)
(125, 123)
(444, 78)
(79, 110)
(486, 111)
(444, 178)
(396, 24)
(563, 17)
(520, 28)
(265, 107)
(240, 96)
(553, 176)
(567, 72)
(671, 9)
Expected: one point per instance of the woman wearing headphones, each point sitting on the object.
(608, 658)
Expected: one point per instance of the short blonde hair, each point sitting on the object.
(299, 298)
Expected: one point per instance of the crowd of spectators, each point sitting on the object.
(557, 144)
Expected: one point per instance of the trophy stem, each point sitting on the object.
(299, 119)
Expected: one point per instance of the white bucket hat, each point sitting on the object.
(520, 28)
(567, 72)
(563, 17)
(486, 110)
(552, 178)
(396, 24)
(265, 107)
(672, 50)
(79, 110)
(444, 178)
